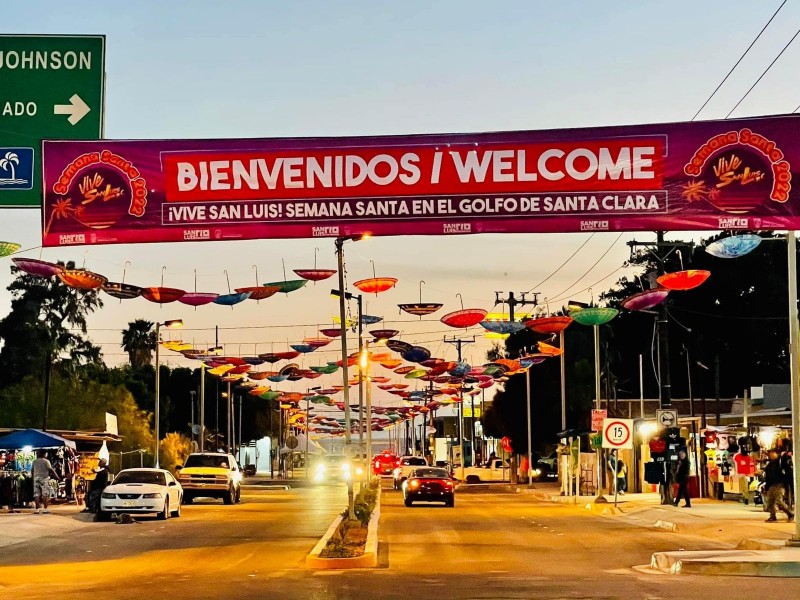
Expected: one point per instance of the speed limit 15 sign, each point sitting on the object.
(618, 433)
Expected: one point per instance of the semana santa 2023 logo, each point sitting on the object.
(737, 172)
(96, 190)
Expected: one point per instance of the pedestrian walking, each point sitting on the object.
(773, 487)
(682, 479)
(787, 464)
(41, 470)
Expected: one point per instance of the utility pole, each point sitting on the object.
(513, 301)
(459, 343)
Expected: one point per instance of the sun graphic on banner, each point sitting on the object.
(695, 191)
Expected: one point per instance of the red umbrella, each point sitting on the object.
(383, 334)
(375, 285)
(317, 342)
(331, 332)
(549, 324)
(683, 280)
(462, 319)
(315, 274)
(162, 295)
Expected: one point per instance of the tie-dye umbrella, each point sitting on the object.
(646, 299)
(8, 248)
(420, 309)
(258, 292)
(40, 268)
(683, 280)
(734, 246)
(81, 279)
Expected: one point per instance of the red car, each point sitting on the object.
(429, 484)
(385, 463)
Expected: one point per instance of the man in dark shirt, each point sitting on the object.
(774, 478)
(96, 486)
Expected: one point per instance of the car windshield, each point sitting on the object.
(153, 477)
(335, 460)
(416, 461)
(207, 460)
(430, 473)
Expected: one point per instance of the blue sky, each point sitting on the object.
(183, 69)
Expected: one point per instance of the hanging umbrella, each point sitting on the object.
(379, 357)
(404, 370)
(326, 369)
(460, 369)
(230, 299)
(646, 299)
(416, 354)
(123, 291)
(8, 248)
(375, 285)
(383, 334)
(549, 350)
(370, 319)
(220, 370)
(593, 315)
(303, 348)
(288, 355)
(465, 318)
(317, 342)
(734, 246)
(253, 360)
(420, 309)
(391, 363)
(380, 379)
(258, 292)
(81, 279)
(287, 286)
(40, 268)
(240, 370)
(258, 375)
(196, 298)
(503, 327)
(161, 294)
(331, 332)
(415, 373)
(549, 324)
(683, 280)
(278, 378)
(398, 346)
(315, 274)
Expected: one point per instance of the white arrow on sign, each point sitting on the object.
(76, 109)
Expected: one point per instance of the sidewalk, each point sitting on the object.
(750, 546)
(24, 525)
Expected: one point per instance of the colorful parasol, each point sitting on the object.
(404, 370)
(231, 299)
(464, 318)
(326, 369)
(197, 298)
(734, 246)
(502, 327)
(253, 360)
(398, 346)
(593, 315)
(258, 292)
(315, 274)
(123, 291)
(288, 355)
(303, 348)
(646, 299)
(549, 350)
(161, 294)
(415, 373)
(391, 363)
(331, 332)
(549, 324)
(683, 280)
(8, 248)
(460, 369)
(40, 268)
(287, 286)
(420, 309)
(317, 342)
(81, 279)
(383, 334)
(416, 354)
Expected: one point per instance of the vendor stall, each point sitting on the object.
(17, 453)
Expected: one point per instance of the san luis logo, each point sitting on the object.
(738, 171)
(96, 190)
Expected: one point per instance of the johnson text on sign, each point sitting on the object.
(618, 434)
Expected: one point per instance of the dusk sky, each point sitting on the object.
(268, 69)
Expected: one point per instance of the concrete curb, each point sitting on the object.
(367, 560)
(745, 563)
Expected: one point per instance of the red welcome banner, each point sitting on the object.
(707, 175)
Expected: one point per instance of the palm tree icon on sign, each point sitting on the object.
(7, 164)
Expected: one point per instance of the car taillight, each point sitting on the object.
(413, 484)
(448, 484)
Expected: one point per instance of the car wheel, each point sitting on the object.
(408, 502)
(450, 503)
(395, 485)
(230, 496)
(164, 514)
(187, 499)
(177, 512)
(238, 494)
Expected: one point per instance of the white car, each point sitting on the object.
(136, 491)
(402, 471)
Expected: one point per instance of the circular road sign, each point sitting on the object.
(292, 442)
(617, 434)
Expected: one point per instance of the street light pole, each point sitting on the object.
(794, 356)
(528, 407)
(173, 324)
(345, 374)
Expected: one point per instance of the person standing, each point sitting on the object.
(773, 487)
(41, 470)
(96, 486)
(682, 479)
(787, 465)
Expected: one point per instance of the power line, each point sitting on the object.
(738, 61)
(789, 43)
(538, 285)
(589, 270)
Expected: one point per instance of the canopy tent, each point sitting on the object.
(313, 447)
(33, 438)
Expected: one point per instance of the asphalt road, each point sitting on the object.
(489, 546)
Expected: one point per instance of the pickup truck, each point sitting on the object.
(494, 472)
(407, 464)
(211, 475)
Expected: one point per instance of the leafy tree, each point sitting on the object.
(173, 450)
(46, 324)
(139, 341)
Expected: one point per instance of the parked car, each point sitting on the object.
(497, 470)
(385, 463)
(407, 464)
(138, 491)
(429, 484)
(211, 475)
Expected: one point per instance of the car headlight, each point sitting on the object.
(154, 495)
(108, 496)
(537, 472)
(359, 471)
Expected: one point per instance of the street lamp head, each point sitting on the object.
(173, 324)
(575, 305)
(347, 295)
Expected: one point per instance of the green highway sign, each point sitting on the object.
(51, 87)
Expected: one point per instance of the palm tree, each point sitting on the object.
(139, 341)
(7, 163)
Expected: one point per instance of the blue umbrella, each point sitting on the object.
(231, 299)
(734, 246)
